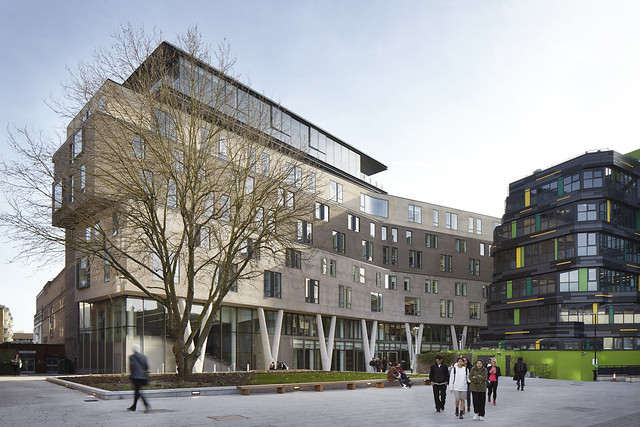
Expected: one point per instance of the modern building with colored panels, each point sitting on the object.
(377, 273)
(567, 258)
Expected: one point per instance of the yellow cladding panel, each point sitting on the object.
(527, 197)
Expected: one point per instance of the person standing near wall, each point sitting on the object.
(492, 383)
(439, 377)
(138, 368)
(478, 386)
(520, 371)
(16, 363)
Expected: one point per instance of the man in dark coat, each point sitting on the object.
(138, 368)
(439, 376)
(520, 370)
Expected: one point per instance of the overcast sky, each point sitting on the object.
(457, 98)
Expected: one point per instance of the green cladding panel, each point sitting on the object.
(537, 222)
(513, 230)
(509, 289)
(560, 186)
(528, 286)
(516, 316)
(583, 277)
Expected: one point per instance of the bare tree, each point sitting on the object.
(174, 176)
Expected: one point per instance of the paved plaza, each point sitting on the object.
(32, 401)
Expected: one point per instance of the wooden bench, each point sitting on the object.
(245, 390)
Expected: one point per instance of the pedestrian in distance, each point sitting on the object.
(16, 363)
(520, 371)
(478, 384)
(439, 376)
(384, 364)
(139, 371)
(458, 380)
(492, 382)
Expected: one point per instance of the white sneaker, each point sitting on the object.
(475, 416)
(481, 418)
(404, 386)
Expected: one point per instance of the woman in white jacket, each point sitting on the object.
(458, 380)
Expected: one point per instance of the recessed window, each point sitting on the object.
(415, 214)
(272, 284)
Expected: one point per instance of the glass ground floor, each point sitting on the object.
(108, 329)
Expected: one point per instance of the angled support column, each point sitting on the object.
(269, 352)
(326, 350)
(463, 339)
(199, 366)
(369, 345)
(412, 355)
(454, 338)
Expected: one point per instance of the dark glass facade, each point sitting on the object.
(567, 258)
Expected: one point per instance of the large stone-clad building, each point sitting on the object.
(567, 258)
(375, 274)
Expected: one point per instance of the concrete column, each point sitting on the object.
(326, 351)
(199, 365)
(365, 346)
(454, 338)
(464, 336)
(269, 352)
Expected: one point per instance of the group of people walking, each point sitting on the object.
(469, 383)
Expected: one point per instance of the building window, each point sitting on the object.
(324, 267)
(461, 289)
(353, 223)
(394, 256)
(415, 214)
(385, 254)
(587, 211)
(203, 239)
(394, 235)
(378, 279)
(485, 291)
(76, 145)
(443, 308)
(474, 310)
(392, 282)
(335, 191)
(83, 178)
(338, 241)
(372, 229)
(57, 195)
(436, 218)
(223, 148)
(470, 225)
(446, 263)
(332, 267)
(72, 185)
(293, 258)
(461, 246)
(374, 206)
(312, 291)
(367, 250)
(474, 267)
(383, 233)
(412, 306)
(358, 274)
(407, 284)
(569, 281)
(107, 271)
(478, 226)
(347, 296)
(264, 163)
(435, 287)
(415, 259)
(587, 244)
(376, 302)
(305, 232)
(481, 249)
(172, 196)
(409, 237)
(592, 179)
(82, 273)
(431, 241)
(322, 212)
(571, 183)
(312, 182)
(427, 286)
(272, 284)
(248, 185)
(294, 176)
(450, 308)
(341, 296)
(451, 221)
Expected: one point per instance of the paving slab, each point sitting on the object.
(32, 401)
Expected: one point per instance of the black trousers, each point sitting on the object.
(439, 395)
(492, 387)
(478, 402)
(137, 385)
